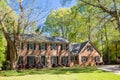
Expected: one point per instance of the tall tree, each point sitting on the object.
(110, 7)
(13, 26)
(65, 22)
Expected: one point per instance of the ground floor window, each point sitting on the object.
(64, 60)
(74, 58)
(43, 60)
(54, 60)
(97, 59)
(31, 61)
(84, 58)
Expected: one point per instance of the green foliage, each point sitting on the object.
(81, 73)
(64, 22)
(2, 49)
(52, 71)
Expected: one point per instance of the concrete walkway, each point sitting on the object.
(112, 68)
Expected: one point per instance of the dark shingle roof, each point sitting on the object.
(76, 48)
(41, 38)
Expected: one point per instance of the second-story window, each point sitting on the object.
(53, 46)
(64, 46)
(42, 46)
(31, 46)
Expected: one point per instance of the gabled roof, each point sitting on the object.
(75, 48)
(41, 38)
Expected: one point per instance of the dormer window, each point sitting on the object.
(89, 48)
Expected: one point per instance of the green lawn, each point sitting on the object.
(86, 73)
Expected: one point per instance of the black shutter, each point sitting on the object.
(27, 60)
(27, 46)
(66, 46)
(56, 47)
(45, 46)
(40, 46)
(34, 46)
(51, 47)
(61, 46)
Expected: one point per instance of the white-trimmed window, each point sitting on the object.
(73, 58)
(53, 46)
(42, 46)
(43, 60)
(54, 59)
(31, 60)
(84, 58)
(97, 59)
(64, 46)
(89, 48)
(31, 46)
(64, 59)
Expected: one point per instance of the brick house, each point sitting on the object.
(42, 51)
(85, 54)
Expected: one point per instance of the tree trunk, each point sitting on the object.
(11, 54)
(119, 27)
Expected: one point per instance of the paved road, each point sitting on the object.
(112, 68)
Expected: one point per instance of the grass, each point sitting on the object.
(84, 73)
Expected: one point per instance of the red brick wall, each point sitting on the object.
(47, 52)
(90, 55)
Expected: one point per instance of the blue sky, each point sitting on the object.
(43, 6)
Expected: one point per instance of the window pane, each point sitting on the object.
(63, 47)
(31, 60)
(31, 46)
(73, 58)
(43, 46)
(64, 60)
(97, 59)
(84, 59)
(54, 59)
(89, 48)
(53, 46)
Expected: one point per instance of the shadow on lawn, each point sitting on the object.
(51, 71)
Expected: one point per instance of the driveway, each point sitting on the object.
(112, 68)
